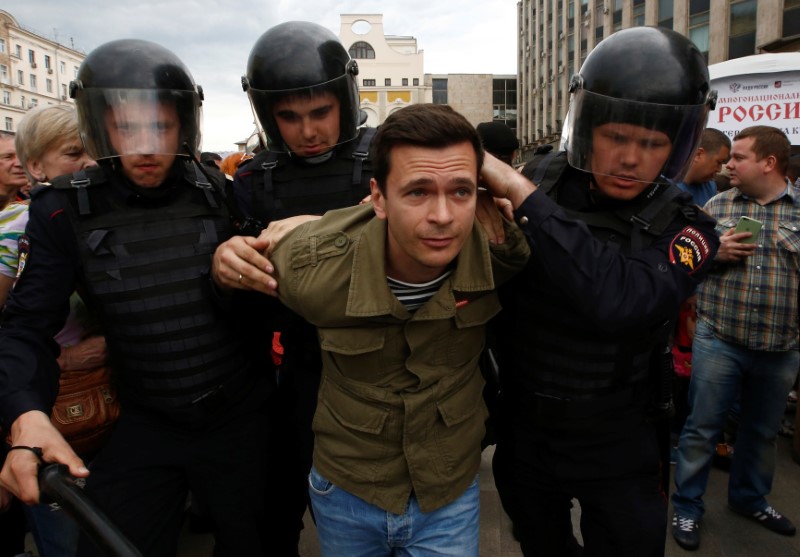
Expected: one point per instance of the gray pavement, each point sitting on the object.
(724, 534)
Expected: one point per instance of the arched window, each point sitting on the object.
(362, 51)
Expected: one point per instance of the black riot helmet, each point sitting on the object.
(643, 76)
(299, 58)
(136, 97)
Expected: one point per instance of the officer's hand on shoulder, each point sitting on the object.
(277, 229)
(241, 263)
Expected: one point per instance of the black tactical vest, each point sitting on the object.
(145, 262)
(279, 187)
(572, 371)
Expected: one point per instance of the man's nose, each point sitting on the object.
(631, 154)
(308, 128)
(440, 210)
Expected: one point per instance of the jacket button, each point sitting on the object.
(523, 221)
(340, 241)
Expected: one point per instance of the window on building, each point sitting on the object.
(2, 46)
(415, 82)
(504, 101)
(699, 24)
(9, 124)
(791, 18)
(369, 83)
(405, 82)
(64, 91)
(387, 82)
(33, 82)
(3, 73)
(20, 77)
(22, 101)
(32, 57)
(6, 97)
(48, 85)
(439, 87)
(742, 41)
(362, 51)
(62, 67)
(18, 51)
(666, 9)
(570, 15)
(47, 61)
(75, 72)
(638, 12)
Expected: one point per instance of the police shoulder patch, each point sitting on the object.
(689, 249)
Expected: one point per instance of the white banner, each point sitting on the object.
(768, 99)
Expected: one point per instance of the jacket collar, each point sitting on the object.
(369, 293)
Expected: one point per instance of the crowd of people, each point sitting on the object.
(314, 325)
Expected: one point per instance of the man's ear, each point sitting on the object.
(700, 153)
(770, 162)
(378, 200)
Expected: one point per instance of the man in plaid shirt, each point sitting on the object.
(746, 342)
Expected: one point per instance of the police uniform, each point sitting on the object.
(193, 396)
(274, 186)
(583, 326)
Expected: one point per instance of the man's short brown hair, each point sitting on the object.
(769, 141)
(422, 125)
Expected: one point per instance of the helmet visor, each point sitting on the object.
(632, 140)
(117, 122)
(290, 119)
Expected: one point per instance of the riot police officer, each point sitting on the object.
(302, 87)
(616, 248)
(135, 236)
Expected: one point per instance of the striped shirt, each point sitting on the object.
(12, 225)
(755, 303)
(414, 296)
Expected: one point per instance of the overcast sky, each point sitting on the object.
(214, 37)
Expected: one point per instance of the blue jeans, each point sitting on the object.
(722, 372)
(348, 525)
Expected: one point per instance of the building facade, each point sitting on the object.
(390, 74)
(479, 97)
(34, 71)
(555, 36)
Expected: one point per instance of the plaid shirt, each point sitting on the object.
(755, 303)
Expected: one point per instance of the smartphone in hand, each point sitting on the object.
(746, 224)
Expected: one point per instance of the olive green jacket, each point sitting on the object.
(400, 405)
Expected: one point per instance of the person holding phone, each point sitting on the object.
(746, 340)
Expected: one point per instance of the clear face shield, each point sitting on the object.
(326, 114)
(120, 122)
(632, 140)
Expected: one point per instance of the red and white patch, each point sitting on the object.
(689, 249)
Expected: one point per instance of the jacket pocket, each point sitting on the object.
(463, 403)
(351, 411)
(469, 335)
(463, 415)
(359, 354)
(789, 236)
(352, 341)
